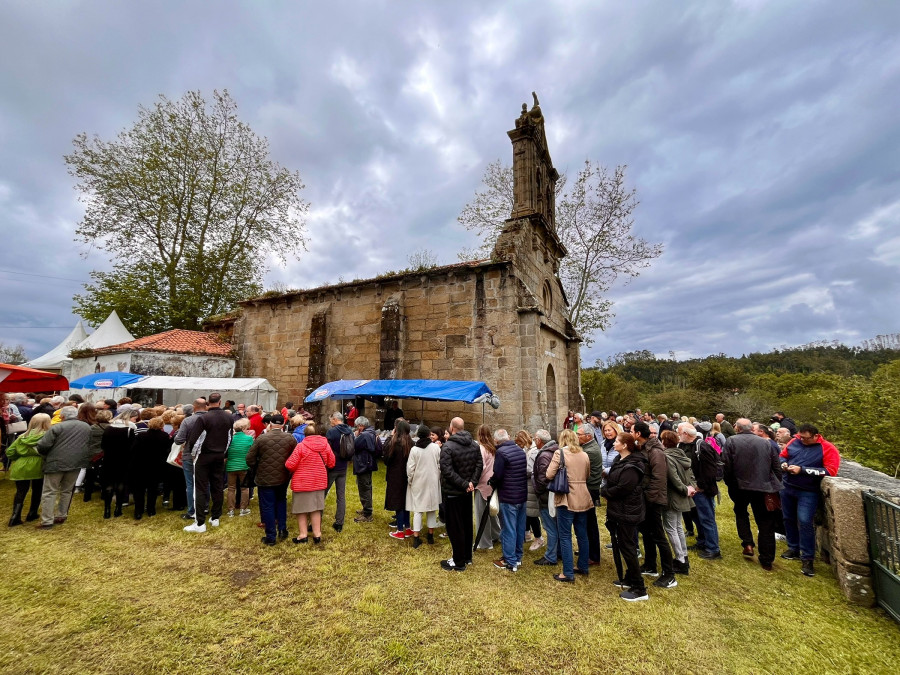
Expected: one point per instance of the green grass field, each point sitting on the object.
(120, 596)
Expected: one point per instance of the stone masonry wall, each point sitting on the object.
(453, 323)
(842, 538)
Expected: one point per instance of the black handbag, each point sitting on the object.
(560, 482)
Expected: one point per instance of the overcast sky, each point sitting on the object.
(763, 139)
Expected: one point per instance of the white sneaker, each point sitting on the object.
(529, 537)
(245, 512)
(438, 524)
(194, 527)
(231, 513)
(536, 544)
(214, 522)
(780, 537)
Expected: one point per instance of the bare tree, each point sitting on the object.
(12, 355)
(422, 260)
(593, 220)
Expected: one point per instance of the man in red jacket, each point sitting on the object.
(805, 461)
(256, 420)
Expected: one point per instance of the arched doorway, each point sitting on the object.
(550, 389)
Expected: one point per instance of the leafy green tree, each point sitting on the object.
(607, 391)
(188, 205)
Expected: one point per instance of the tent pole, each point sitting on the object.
(422, 418)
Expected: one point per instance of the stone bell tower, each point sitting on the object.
(532, 223)
(549, 366)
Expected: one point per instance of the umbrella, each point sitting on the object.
(19, 378)
(109, 380)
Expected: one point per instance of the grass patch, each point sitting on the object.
(105, 596)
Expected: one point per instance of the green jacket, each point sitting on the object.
(592, 450)
(26, 462)
(237, 452)
(680, 476)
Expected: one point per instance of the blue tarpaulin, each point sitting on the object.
(426, 390)
(336, 389)
(110, 380)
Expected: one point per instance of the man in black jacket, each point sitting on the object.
(752, 470)
(785, 422)
(461, 467)
(337, 475)
(209, 464)
(367, 449)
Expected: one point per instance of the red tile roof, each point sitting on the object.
(176, 341)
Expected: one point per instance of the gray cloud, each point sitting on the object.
(762, 138)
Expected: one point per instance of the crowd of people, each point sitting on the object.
(659, 478)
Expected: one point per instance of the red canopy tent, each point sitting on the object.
(19, 378)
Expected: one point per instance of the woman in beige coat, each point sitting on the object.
(572, 508)
(423, 492)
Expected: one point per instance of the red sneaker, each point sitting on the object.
(408, 533)
(396, 535)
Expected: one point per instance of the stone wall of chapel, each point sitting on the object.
(463, 326)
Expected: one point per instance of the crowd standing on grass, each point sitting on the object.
(658, 475)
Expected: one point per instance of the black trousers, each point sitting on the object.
(534, 524)
(655, 538)
(116, 487)
(145, 493)
(209, 470)
(593, 530)
(765, 521)
(626, 533)
(460, 527)
(37, 487)
(691, 521)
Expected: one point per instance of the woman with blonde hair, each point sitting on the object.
(572, 508)
(27, 468)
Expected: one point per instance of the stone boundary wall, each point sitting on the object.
(842, 537)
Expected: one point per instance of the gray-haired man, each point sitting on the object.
(338, 474)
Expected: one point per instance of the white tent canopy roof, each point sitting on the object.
(110, 332)
(59, 355)
(203, 383)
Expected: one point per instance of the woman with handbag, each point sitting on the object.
(483, 491)
(12, 424)
(624, 495)
(309, 464)
(27, 468)
(568, 473)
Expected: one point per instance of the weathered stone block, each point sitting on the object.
(857, 588)
(846, 519)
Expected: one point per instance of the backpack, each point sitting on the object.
(347, 446)
(714, 443)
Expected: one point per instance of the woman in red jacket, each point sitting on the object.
(309, 463)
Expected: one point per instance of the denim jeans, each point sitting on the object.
(273, 509)
(512, 536)
(188, 467)
(551, 552)
(565, 519)
(708, 534)
(799, 508)
(402, 520)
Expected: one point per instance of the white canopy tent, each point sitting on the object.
(110, 332)
(175, 390)
(57, 357)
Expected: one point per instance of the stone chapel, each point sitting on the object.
(501, 320)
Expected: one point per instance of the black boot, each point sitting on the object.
(32, 515)
(107, 510)
(118, 511)
(16, 515)
(430, 538)
(417, 541)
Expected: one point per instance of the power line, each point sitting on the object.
(43, 276)
(30, 327)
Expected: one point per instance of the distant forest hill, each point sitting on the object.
(851, 393)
